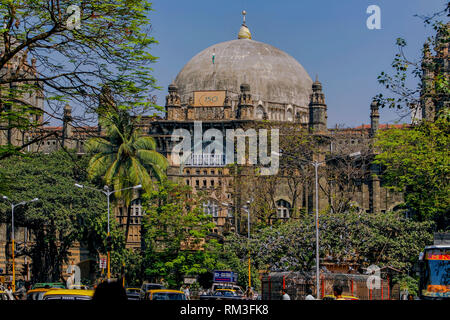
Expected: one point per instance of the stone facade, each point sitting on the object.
(260, 84)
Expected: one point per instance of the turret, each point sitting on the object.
(435, 68)
(374, 118)
(317, 109)
(442, 46)
(227, 111)
(427, 104)
(374, 179)
(67, 125)
(245, 105)
(173, 104)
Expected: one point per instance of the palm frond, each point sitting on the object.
(142, 176)
(151, 158)
(145, 143)
(98, 145)
(158, 173)
(110, 174)
(99, 164)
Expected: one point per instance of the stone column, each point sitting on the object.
(374, 189)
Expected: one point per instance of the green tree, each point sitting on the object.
(42, 50)
(175, 234)
(384, 239)
(124, 158)
(416, 161)
(407, 283)
(130, 260)
(429, 74)
(63, 215)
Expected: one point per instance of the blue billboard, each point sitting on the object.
(225, 276)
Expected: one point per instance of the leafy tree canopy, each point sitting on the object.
(63, 215)
(75, 52)
(383, 239)
(427, 73)
(175, 234)
(124, 158)
(416, 161)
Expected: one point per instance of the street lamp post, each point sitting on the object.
(316, 165)
(13, 238)
(316, 170)
(247, 209)
(108, 193)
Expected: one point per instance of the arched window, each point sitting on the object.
(289, 115)
(283, 209)
(260, 112)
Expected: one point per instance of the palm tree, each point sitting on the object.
(125, 158)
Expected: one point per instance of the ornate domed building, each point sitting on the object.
(239, 85)
(212, 84)
(243, 84)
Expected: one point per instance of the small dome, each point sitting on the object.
(173, 87)
(374, 104)
(317, 85)
(245, 87)
(244, 33)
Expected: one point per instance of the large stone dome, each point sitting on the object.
(273, 75)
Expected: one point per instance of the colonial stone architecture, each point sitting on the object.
(240, 84)
(237, 84)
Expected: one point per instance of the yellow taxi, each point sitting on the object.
(229, 290)
(226, 293)
(79, 287)
(332, 297)
(69, 294)
(164, 294)
(37, 294)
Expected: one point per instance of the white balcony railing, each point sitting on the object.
(205, 160)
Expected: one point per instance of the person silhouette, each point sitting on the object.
(109, 290)
(337, 291)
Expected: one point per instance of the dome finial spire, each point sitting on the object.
(244, 32)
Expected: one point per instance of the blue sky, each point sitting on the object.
(328, 37)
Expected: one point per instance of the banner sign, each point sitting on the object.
(209, 98)
(438, 256)
(225, 276)
(102, 263)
